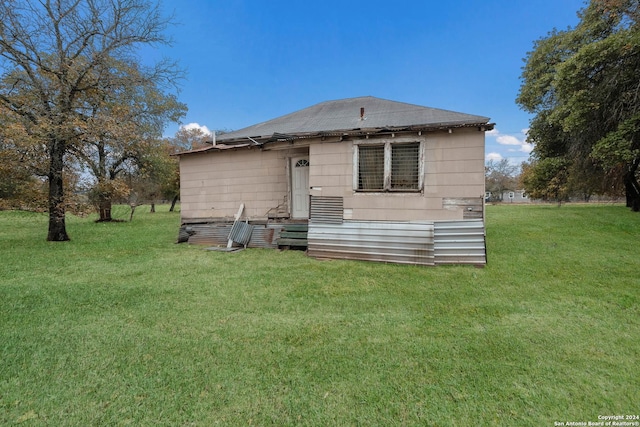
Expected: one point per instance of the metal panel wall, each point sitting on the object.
(214, 234)
(460, 242)
(396, 242)
(421, 243)
(326, 210)
(241, 232)
(217, 234)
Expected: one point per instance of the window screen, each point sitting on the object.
(405, 166)
(371, 167)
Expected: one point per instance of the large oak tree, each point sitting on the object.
(58, 58)
(583, 86)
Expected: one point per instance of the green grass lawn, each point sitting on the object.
(121, 326)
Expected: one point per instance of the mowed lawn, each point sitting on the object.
(121, 326)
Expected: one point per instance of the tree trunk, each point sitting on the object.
(632, 188)
(153, 208)
(104, 208)
(173, 202)
(57, 226)
(632, 192)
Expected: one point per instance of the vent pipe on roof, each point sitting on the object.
(361, 113)
(213, 137)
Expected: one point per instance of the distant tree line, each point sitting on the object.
(501, 176)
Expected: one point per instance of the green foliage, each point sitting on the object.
(537, 94)
(546, 179)
(163, 177)
(614, 149)
(21, 191)
(582, 85)
(158, 175)
(15, 181)
(122, 326)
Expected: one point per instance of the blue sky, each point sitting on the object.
(248, 61)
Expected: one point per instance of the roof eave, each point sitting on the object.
(433, 127)
(216, 147)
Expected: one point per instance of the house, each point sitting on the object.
(360, 178)
(508, 196)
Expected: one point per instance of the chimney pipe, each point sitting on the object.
(361, 113)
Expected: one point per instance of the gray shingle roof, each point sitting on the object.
(344, 115)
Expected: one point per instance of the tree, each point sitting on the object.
(156, 177)
(582, 84)
(122, 133)
(170, 183)
(159, 174)
(19, 188)
(191, 138)
(500, 176)
(57, 57)
(546, 179)
(183, 140)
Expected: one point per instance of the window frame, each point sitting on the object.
(388, 165)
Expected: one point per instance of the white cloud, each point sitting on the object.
(526, 148)
(508, 140)
(196, 126)
(518, 144)
(493, 156)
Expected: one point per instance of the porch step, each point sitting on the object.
(293, 235)
(295, 227)
(293, 242)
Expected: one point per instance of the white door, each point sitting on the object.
(300, 187)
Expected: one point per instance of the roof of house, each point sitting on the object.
(365, 114)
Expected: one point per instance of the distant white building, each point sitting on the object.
(511, 196)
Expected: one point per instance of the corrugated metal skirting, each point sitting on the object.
(420, 243)
(396, 242)
(460, 242)
(217, 234)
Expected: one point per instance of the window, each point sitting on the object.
(389, 167)
(405, 166)
(371, 167)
